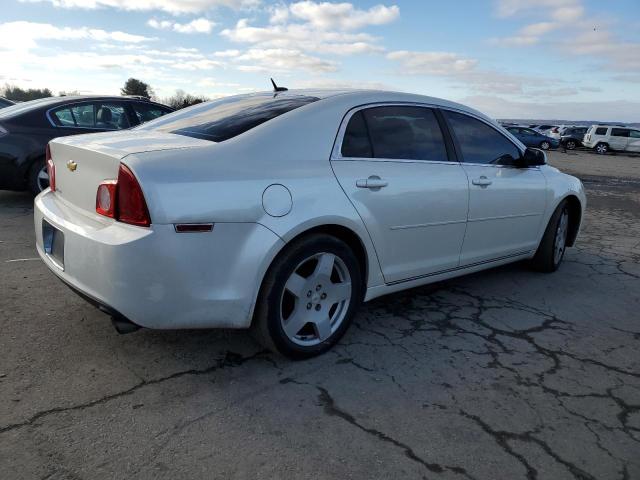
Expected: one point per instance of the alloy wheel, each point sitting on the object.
(315, 299)
(43, 179)
(545, 145)
(601, 148)
(571, 145)
(561, 237)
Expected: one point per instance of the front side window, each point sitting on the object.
(480, 143)
(111, 116)
(84, 115)
(146, 112)
(409, 133)
(619, 132)
(601, 131)
(229, 117)
(527, 131)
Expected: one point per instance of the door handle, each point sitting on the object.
(482, 181)
(373, 183)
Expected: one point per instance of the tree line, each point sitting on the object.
(133, 86)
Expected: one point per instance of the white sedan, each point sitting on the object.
(284, 211)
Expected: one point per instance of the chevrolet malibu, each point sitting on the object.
(282, 212)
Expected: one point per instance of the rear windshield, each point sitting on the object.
(23, 107)
(226, 118)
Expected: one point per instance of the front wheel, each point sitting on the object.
(554, 242)
(571, 145)
(309, 297)
(602, 148)
(545, 145)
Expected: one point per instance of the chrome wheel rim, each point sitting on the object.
(544, 145)
(43, 178)
(601, 149)
(315, 299)
(561, 237)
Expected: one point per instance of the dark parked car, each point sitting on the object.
(571, 138)
(26, 128)
(5, 102)
(534, 139)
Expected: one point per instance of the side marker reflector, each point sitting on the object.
(193, 227)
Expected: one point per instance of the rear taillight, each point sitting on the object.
(554, 129)
(123, 199)
(51, 168)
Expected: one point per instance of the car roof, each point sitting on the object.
(355, 97)
(51, 102)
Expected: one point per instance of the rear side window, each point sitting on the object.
(635, 134)
(226, 118)
(84, 115)
(479, 142)
(410, 133)
(601, 131)
(619, 132)
(355, 143)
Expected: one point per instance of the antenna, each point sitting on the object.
(276, 88)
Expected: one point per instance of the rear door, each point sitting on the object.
(506, 203)
(619, 138)
(88, 117)
(394, 165)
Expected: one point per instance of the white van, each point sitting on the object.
(603, 138)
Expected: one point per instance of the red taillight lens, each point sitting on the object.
(132, 208)
(51, 168)
(123, 199)
(106, 199)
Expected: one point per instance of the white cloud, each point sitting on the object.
(226, 53)
(343, 16)
(21, 35)
(170, 6)
(508, 8)
(282, 60)
(279, 13)
(303, 37)
(621, 111)
(432, 63)
(198, 25)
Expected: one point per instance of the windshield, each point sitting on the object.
(226, 118)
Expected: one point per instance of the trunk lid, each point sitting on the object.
(82, 162)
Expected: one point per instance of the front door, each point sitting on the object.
(407, 188)
(506, 203)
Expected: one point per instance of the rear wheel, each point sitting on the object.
(571, 145)
(554, 242)
(38, 177)
(545, 145)
(602, 148)
(309, 297)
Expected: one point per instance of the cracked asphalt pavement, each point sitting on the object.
(504, 374)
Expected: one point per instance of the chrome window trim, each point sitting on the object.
(80, 102)
(336, 152)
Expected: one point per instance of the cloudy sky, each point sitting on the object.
(570, 59)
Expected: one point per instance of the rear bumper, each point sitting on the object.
(155, 277)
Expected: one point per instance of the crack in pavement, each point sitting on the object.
(230, 359)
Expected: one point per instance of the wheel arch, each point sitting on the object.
(367, 258)
(575, 218)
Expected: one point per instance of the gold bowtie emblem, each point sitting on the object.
(71, 165)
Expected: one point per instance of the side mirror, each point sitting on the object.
(533, 157)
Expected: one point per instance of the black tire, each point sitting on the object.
(267, 327)
(545, 259)
(33, 182)
(601, 148)
(544, 145)
(571, 145)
